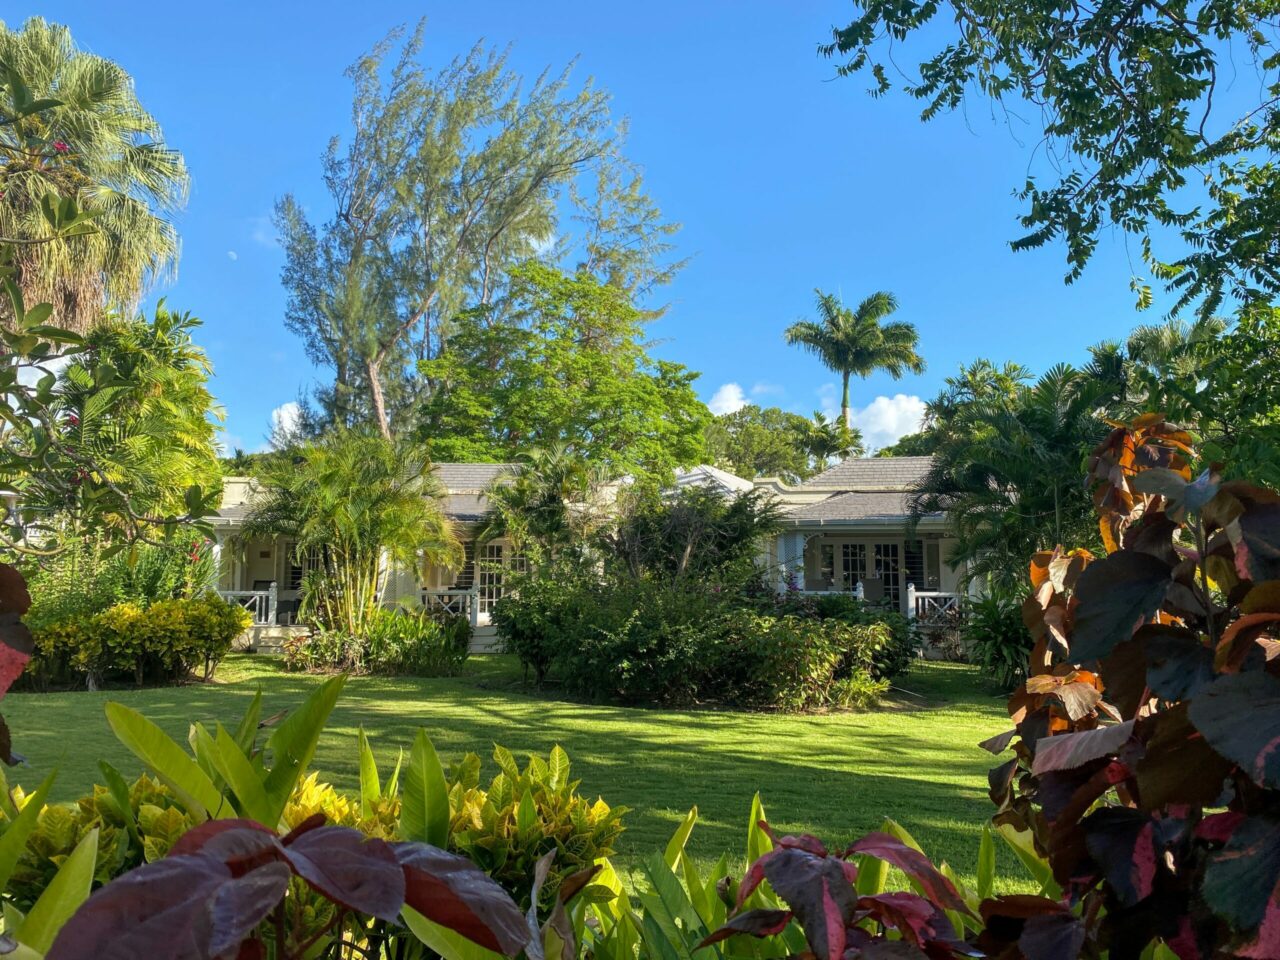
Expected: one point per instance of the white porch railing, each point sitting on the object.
(934, 606)
(461, 603)
(261, 604)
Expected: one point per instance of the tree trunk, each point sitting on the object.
(845, 412)
(372, 369)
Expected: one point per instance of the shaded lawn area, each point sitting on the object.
(836, 776)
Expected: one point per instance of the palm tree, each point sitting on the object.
(97, 145)
(546, 504)
(826, 440)
(856, 342)
(361, 503)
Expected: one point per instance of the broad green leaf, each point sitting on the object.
(293, 743)
(697, 892)
(119, 791)
(166, 760)
(895, 829)
(559, 768)
(526, 814)
(675, 846)
(14, 839)
(242, 779)
(447, 943)
(247, 730)
(424, 811)
(758, 842)
(7, 806)
(986, 864)
(670, 906)
(1023, 847)
(370, 786)
(62, 897)
(203, 748)
(661, 943)
(393, 784)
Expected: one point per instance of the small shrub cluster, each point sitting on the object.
(397, 641)
(169, 641)
(996, 638)
(891, 657)
(646, 641)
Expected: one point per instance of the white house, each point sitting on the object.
(844, 531)
(266, 576)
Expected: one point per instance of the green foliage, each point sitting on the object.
(793, 663)
(896, 643)
(647, 641)
(354, 501)
(690, 533)
(522, 815)
(996, 638)
(479, 170)
(84, 137)
(565, 362)
(1004, 466)
(169, 641)
(85, 578)
(1131, 110)
(857, 342)
(397, 641)
(153, 822)
(770, 442)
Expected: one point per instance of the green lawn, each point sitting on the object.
(836, 776)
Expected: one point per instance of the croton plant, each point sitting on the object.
(1146, 741)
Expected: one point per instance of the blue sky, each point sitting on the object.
(783, 178)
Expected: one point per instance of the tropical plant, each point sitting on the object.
(690, 533)
(995, 638)
(857, 342)
(551, 502)
(1144, 767)
(826, 440)
(1003, 473)
(355, 502)
(398, 640)
(171, 640)
(91, 142)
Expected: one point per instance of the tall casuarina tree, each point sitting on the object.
(857, 342)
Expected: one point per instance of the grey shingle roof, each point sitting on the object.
(855, 506)
(470, 476)
(871, 473)
(466, 507)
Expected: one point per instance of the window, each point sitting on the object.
(299, 567)
(489, 576)
(827, 565)
(853, 564)
(885, 566)
(467, 575)
(913, 564)
(933, 565)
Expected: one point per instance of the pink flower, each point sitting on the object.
(61, 147)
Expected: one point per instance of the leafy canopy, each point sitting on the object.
(565, 363)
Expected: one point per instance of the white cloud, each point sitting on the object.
(232, 255)
(227, 443)
(763, 389)
(886, 419)
(727, 399)
(284, 421)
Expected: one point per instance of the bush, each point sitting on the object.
(169, 641)
(398, 641)
(892, 657)
(794, 663)
(646, 641)
(996, 637)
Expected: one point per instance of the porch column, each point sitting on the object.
(215, 550)
(911, 601)
(790, 559)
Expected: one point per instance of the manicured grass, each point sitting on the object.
(836, 775)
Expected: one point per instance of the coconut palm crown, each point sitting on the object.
(857, 342)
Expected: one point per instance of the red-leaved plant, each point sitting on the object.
(1147, 738)
(818, 888)
(223, 891)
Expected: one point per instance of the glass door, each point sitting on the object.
(853, 564)
(886, 564)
